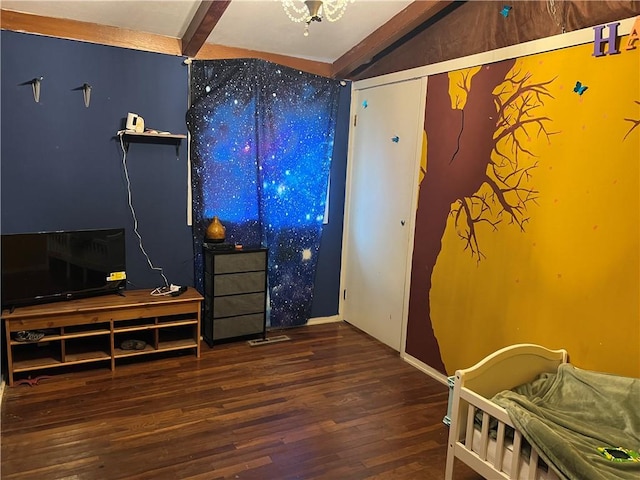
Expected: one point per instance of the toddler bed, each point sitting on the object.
(523, 412)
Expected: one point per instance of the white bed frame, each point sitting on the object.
(473, 387)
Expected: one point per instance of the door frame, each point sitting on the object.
(356, 89)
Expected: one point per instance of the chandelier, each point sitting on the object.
(314, 10)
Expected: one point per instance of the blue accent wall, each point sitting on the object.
(61, 163)
(327, 292)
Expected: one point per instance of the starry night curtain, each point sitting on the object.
(261, 146)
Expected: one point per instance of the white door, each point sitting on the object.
(385, 148)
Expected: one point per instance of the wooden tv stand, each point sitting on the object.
(92, 329)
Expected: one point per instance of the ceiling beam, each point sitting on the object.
(400, 25)
(207, 16)
(88, 32)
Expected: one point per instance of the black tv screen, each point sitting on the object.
(49, 266)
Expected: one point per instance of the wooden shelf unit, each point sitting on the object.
(92, 329)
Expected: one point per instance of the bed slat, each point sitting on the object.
(499, 456)
(484, 436)
(533, 464)
(515, 458)
(469, 438)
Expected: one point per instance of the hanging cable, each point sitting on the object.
(133, 213)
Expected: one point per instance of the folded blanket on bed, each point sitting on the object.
(569, 414)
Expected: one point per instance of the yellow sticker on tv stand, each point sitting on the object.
(116, 276)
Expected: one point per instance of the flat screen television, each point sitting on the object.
(50, 266)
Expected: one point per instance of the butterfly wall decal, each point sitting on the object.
(505, 11)
(580, 88)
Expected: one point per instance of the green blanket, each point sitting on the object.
(569, 414)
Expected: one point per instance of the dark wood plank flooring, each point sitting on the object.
(332, 403)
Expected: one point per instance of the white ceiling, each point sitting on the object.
(260, 25)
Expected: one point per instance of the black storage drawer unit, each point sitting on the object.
(235, 293)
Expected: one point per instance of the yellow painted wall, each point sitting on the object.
(572, 278)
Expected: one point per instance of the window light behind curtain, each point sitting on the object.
(261, 146)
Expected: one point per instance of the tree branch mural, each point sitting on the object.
(480, 161)
(518, 101)
(634, 123)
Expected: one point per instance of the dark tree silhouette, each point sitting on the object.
(478, 167)
(634, 123)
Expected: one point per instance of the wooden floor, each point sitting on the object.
(332, 403)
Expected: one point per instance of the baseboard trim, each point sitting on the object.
(423, 367)
(322, 320)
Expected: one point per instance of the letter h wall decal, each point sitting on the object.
(600, 41)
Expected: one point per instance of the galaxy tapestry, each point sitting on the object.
(261, 147)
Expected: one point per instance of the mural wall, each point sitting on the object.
(527, 222)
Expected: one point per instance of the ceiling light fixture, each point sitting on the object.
(314, 10)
